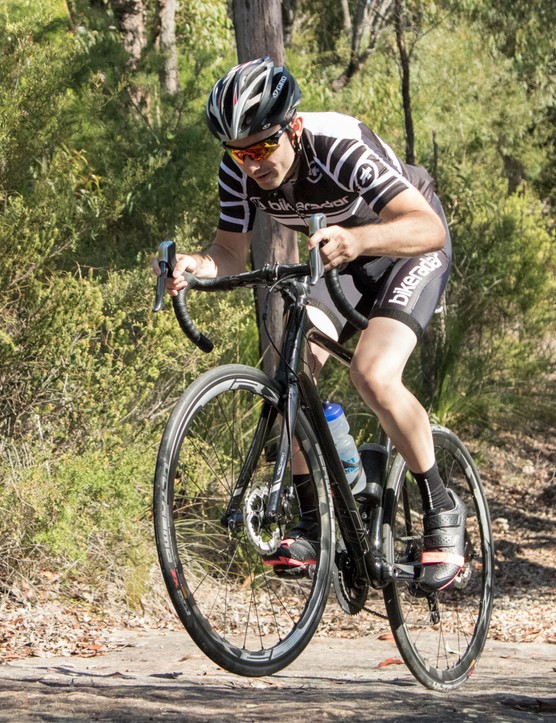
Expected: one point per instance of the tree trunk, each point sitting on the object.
(399, 24)
(357, 34)
(347, 25)
(169, 78)
(258, 29)
(289, 9)
(371, 17)
(130, 19)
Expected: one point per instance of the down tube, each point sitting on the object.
(352, 528)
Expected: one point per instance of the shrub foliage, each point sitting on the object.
(97, 166)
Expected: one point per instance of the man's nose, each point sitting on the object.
(250, 165)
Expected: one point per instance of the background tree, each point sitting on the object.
(130, 17)
(369, 20)
(258, 29)
(289, 10)
(169, 78)
(404, 55)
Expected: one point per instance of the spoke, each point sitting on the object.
(231, 601)
(440, 635)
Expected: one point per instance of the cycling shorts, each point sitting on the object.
(406, 289)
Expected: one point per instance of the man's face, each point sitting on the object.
(270, 172)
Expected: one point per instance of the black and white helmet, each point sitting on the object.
(250, 98)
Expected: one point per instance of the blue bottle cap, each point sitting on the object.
(332, 411)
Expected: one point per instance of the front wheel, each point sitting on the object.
(213, 475)
(441, 635)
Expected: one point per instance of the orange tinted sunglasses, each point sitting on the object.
(258, 151)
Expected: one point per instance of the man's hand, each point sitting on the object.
(338, 246)
(184, 262)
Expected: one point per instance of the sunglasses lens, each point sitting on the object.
(258, 152)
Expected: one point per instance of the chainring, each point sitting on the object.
(351, 592)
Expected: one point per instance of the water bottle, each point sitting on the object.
(345, 446)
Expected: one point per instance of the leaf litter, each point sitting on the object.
(519, 477)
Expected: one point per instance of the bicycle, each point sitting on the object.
(224, 499)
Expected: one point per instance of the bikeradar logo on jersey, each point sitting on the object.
(427, 264)
(281, 204)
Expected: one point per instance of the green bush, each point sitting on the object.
(89, 379)
(91, 180)
(84, 516)
(500, 313)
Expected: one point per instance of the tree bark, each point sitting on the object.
(372, 17)
(289, 9)
(130, 17)
(399, 24)
(258, 29)
(347, 24)
(169, 78)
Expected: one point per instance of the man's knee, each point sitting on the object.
(375, 382)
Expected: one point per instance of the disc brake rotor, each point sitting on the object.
(264, 537)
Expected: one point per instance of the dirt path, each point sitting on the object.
(141, 673)
(163, 676)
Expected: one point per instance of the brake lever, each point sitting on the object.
(316, 222)
(167, 264)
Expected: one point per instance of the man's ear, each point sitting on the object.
(297, 124)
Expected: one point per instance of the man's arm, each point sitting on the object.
(228, 254)
(408, 227)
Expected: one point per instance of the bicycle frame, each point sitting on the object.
(362, 537)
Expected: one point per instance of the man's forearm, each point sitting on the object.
(408, 235)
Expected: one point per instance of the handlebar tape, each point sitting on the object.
(205, 344)
(184, 320)
(332, 281)
(316, 222)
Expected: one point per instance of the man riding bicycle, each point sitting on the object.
(387, 235)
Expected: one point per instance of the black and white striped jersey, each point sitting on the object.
(345, 171)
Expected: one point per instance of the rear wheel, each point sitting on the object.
(441, 635)
(212, 483)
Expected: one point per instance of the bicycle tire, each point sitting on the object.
(241, 614)
(440, 636)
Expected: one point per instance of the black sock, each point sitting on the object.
(433, 490)
(307, 496)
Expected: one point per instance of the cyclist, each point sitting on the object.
(388, 237)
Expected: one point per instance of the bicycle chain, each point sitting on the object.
(375, 612)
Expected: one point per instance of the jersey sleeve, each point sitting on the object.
(360, 169)
(237, 213)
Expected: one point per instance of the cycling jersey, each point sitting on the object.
(347, 172)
